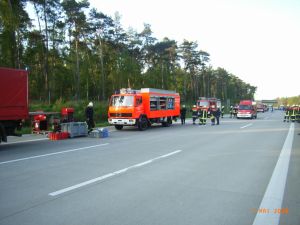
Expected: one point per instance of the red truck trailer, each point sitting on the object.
(13, 101)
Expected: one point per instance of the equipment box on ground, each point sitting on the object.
(99, 133)
(75, 129)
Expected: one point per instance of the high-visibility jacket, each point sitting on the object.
(203, 114)
(293, 113)
(298, 114)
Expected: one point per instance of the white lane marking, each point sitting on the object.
(274, 194)
(248, 125)
(143, 163)
(59, 192)
(54, 153)
(16, 142)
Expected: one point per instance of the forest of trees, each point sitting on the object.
(75, 52)
(288, 100)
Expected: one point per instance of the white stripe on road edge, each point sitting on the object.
(50, 154)
(274, 194)
(248, 125)
(17, 142)
(59, 192)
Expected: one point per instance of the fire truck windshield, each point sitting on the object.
(203, 104)
(245, 107)
(121, 100)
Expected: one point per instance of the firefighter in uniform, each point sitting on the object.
(217, 115)
(194, 113)
(202, 116)
(293, 113)
(222, 111)
(89, 113)
(298, 114)
(235, 110)
(212, 115)
(231, 111)
(287, 114)
(182, 114)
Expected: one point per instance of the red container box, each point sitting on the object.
(64, 135)
(58, 135)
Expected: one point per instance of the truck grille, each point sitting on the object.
(120, 114)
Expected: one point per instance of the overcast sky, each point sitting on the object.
(257, 40)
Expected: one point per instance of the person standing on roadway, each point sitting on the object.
(202, 116)
(222, 111)
(194, 113)
(89, 114)
(287, 114)
(212, 115)
(235, 110)
(182, 114)
(231, 111)
(293, 113)
(217, 115)
(298, 114)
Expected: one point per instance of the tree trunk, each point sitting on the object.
(43, 51)
(13, 41)
(77, 72)
(162, 76)
(46, 64)
(102, 78)
(184, 84)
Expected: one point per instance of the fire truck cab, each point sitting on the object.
(143, 107)
(208, 103)
(261, 107)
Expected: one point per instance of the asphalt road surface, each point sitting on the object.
(240, 172)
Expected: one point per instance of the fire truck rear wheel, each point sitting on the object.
(2, 133)
(143, 124)
(119, 127)
(167, 123)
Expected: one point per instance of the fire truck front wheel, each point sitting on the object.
(142, 123)
(119, 127)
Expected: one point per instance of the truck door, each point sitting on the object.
(139, 105)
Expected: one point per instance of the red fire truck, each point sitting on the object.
(143, 107)
(247, 109)
(208, 104)
(261, 107)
